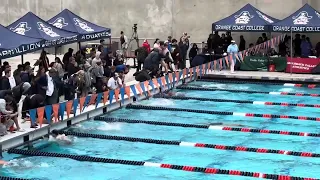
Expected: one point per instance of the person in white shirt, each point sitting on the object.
(124, 42)
(114, 82)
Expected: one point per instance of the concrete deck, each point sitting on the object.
(265, 76)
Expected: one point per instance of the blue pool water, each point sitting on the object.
(65, 169)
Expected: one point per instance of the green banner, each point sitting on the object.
(256, 63)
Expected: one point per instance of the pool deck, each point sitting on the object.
(265, 76)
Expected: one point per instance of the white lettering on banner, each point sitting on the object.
(61, 41)
(301, 65)
(296, 29)
(239, 28)
(20, 50)
(95, 36)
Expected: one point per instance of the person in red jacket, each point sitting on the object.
(146, 45)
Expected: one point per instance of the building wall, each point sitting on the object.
(155, 18)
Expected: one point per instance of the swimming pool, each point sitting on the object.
(277, 145)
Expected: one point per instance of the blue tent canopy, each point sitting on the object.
(306, 19)
(86, 30)
(32, 26)
(247, 19)
(12, 44)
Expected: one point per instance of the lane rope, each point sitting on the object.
(158, 165)
(259, 82)
(191, 144)
(225, 113)
(211, 127)
(240, 101)
(12, 178)
(245, 91)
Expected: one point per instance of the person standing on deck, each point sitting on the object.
(232, 50)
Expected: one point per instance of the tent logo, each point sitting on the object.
(59, 23)
(317, 13)
(264, 17)
(243, 18)
(83, 25)
(302, 18)
(47, 30)
(21, 28)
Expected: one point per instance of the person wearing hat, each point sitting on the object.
(232, 50)
(114, 82)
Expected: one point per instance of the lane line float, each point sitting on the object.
(192, 144)
(241, 101)
(269, 116)
(245, 91)
(198, 126)
(261, 82)
(158, 165)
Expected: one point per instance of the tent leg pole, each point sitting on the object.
(291, 51)
(55, 52)
(79, 45)
(22, 59)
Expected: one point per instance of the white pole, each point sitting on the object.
(291, 51)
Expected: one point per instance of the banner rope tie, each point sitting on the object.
(190, 144)
(245, 91)
(240, 101)
(151, 164)
(211, 127)
(131, 106)
(203, 79)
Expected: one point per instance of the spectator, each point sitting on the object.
(59, 67)
(67, 57)
(27, 75)
(167, 56)
(305, 47)
(242, 45)
(8, 110)
(183, 52)
(193, 52)
(41, 82)
(146, 45)
(54, 85)
(141, 53)
(72, 66)
(264, 37)
(17, 74)
(156, 43)
(32, 102)
(124, 42)
(43, 61)
(151, 64)
(5, 82)
(122, 68)
(22, 89)
(176, 54)
(114, 82)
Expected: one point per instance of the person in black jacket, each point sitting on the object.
(141, 53)
(66, 58)
(20, 90)
(193, 52)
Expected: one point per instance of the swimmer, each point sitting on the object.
(171, 93)
(59, 137)
(231, 125)
(3, 162)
